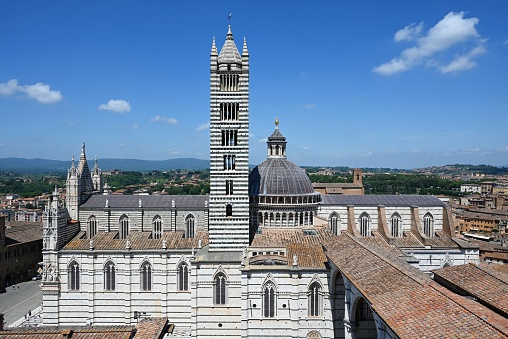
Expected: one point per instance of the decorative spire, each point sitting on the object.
(214, 48)
(277, 123)
(83, 149)
(245, 51)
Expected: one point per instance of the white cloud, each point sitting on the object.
(2, 144)
(135, 126)
(409, 33)
(464, 62)
(505, 42)
(310, 106)
(118, 106)
(39, 92)
(263, 140)
(203, 127)
(159, 118)
(174, 151)
(451, 31)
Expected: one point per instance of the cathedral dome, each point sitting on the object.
(279, 176)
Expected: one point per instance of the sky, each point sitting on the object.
(398, 84)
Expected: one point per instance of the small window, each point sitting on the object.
(73, 276)
(124, 226)
(190, 226)
(183, 277)
(157, 227)
(428, 225)
(315, 299)
(333, 223)
(229, 187)
(146, 277)
(229, 210)
(363, 311)
(92, 226)
(109, 276)
(364, 222)
(269, 300)
(396, 225)
(220, 289)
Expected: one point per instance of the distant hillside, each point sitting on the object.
(21, 165)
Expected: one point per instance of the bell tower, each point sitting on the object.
(229, 146)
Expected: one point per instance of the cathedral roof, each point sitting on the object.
(279, 176)
(423, 308)
(229, 53)
(382, 200)
(147, 201)
(138, 241)
(483, 283)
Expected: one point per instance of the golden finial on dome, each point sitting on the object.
(277, 122)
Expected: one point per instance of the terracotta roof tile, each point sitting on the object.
(24, 233)
(138, 241)
(485, 284)
(408, 301)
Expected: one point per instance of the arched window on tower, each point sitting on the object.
(157, 227)
(396, 225)
(93, 226)
(183, 277)
(229, 210)
(73, 276)
(364, 222)
(269, 300)
(190, 226)
(123, 226)
(109, 276)
(428, 225)
(315, 299)
(219, 289)
(333, 223)
(146, 276)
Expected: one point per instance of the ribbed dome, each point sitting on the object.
(279, 176)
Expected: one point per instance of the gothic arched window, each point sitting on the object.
(269, 300)
(315, 299)
(157, 227)
(190, 226)
(396, 225)
(183, 277)
(146, 276)
(109, 276)
(333, 223)
(364, 222)
(219, 289)
(363, 311)
(123, 226)
(73, 276)
(428, 225)
(92, 226)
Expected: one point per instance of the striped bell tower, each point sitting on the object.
(229, 147)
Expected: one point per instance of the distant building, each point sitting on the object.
(356, 187)
(471, 188)
(20, 252)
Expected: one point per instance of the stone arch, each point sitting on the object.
(363, 318)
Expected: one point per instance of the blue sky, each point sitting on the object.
(402, 84)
